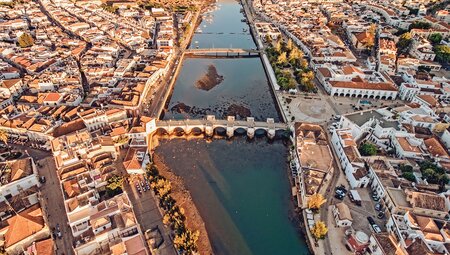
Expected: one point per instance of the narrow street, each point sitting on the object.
(53, 205)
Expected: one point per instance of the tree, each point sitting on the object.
(371, 39)
(419, 25)
(319, 230)
(316, 201)
(278, 46)
(295, 55)
(435, 38)
(409, 176)
(292, 84)
(3, 136)
(162, 187)
(268, 39)
(282, 59)
(404, 42)
(442, 53)
(114, 186)
(303, 63)
(305, 78)
(25, 40)
(290, 45)
(186, 242)
(368, 149)
(405, 168)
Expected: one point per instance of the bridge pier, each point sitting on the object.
(209, 131)
(271, 133)
(230, 132)
(250, 133)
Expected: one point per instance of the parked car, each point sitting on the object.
(42, 179)
(371, 220)
(375, 198)
(380, 215)
(340, 197)
(378, 207)
(376, 228)
(342, 187)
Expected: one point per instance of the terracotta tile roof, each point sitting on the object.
(419, 247)
(9, 83)
(44, 247)
(406, 146)
(435, 148)
(430, 100)
(364, 85)
(52, 97)
(386, 243)
(24, 225)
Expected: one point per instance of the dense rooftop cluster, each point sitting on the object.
(389, 39)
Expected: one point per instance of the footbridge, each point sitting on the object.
(222, 52)
(210, 124)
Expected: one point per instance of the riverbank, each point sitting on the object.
(270, 74)
(179, 192)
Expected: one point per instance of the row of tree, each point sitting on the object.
(185, 239)
(319, 229)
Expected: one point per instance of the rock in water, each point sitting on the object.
(209, 80)
(238, 110)
(180, 108)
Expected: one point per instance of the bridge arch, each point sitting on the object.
(240, 131)
(221, 131)
(195, 131)
(161, 131)
(259, 132)
(178, 131)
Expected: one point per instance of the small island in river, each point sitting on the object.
(209, 80)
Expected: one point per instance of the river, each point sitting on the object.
(241, 188)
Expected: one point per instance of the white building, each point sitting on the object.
(342, 215)
(351, 81)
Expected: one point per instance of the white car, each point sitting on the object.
(376, 228)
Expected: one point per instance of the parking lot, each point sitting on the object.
(360, 213)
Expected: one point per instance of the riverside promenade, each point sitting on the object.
(265, 60)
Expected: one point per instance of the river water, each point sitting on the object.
(241, 188)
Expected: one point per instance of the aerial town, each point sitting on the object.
(224, 127)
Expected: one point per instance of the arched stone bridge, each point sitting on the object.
(209, 124)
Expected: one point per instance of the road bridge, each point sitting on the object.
(210, 124)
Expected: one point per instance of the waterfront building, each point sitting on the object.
(314, 161)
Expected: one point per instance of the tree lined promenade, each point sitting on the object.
(290, 66)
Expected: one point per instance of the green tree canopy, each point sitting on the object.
(114, 185)
(419, 25)
(404, 42)
(368, 149)
(409, 176)
(435, 37)
(442, 53)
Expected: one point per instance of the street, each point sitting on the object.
(52, 203)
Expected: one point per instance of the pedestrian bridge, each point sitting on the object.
(222, 52)
(210, 124)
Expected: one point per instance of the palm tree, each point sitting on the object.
(3, 136)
